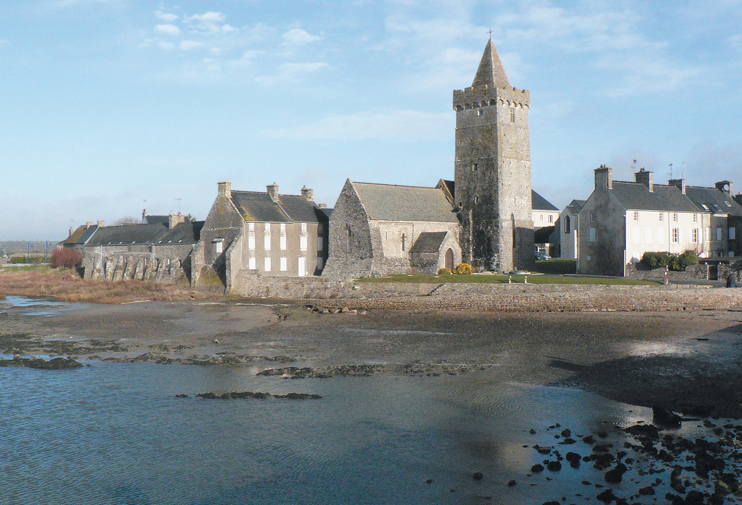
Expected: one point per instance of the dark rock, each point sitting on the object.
(477, 476)
(572, 456)
(665, 418)
(532, 431)
(429, 481)
(643, 430)
(647, 491)
(566, 433)
(694, 498)
(607, 496)
(615, 475)
(590, 440)
(554, 466)
(568, 441)
(537, 468)
(512, 483)
(182, 396)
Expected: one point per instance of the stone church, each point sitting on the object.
(483, 217)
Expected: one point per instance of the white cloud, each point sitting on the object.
(167, 16)
(299, 36)
(209, 22)
(167, 29)
(208, 17)
(399, 125)
(167, 46)
(189, 44)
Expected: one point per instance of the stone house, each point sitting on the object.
(380, 229)
(568, 226)
(160, 251)
(622, 220)
(250, 233)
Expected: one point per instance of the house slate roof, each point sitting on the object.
(714, 200)
(575, 206)
(428, 242)
(75, 235)
(86, 235)
(154, 219)
(128, 234)
(183, 233)
(386, 202)
(636, 196)
(538, 202)
(258, 206)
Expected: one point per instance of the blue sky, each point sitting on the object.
(111, 106)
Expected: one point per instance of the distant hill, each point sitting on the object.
(11, 247)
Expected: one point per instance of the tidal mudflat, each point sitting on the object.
(413, 407)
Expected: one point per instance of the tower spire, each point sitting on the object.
(490, 71)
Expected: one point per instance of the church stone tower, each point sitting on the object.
(493, 169)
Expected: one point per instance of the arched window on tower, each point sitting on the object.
(404, 240)
(567, 225)
(512, 114)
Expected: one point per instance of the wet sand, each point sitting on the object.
(686, 361)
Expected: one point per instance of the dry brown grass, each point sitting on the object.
(64, 284)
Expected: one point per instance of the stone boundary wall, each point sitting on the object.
(493, 297)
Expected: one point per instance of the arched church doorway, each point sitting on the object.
(449, 259)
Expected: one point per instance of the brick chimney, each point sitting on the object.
(724, 187)
(603, 178)
(273, 191)
(645, 177)
(144, 216)
(307, 193)
(678, 183)
(225, 189)
(101, 224)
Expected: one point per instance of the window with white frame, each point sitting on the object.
(707, 234)
(591, 235)
(551, 218)
(675, 237)
(694, 235)
(267, 264)
(218, 245)
(283, 264)
(695, 218)
(648, 235)
(661, 235)
(252, 263)
(637, 236)
(593, 217)
(282, 242)
(303, 227)
(302, 242)
(267, 237)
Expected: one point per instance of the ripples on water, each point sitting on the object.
(116, 434)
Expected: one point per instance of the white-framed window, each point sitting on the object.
(267, 237)
(674, 216)
(251, 241)
(282, 242)
(647, 235)
(707, 234)
(251, 226)
(660, 235)
(302, 242)
(218, 245)
(732, 233)
(593, 217)
(283, 228)
(320, 244)
(283, 264)
(675, 237)
(591, 234)
(551, 218)
(637, 236)
(694, 235)
(252, 263)
(718, 234)
(636, 216)
(320, 263)
(303, 227)
(267, 264)
(302, 266)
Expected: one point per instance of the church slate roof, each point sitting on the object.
(386, 202)
(258, 206)
(490, 71)
(428, 242)
(183, 233)
(713, 200)
(128, 234)
(576, 206)
(636, 196)
(538, 202)
(154, 219)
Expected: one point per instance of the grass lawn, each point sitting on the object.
(503, 279)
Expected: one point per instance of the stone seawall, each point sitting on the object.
(494, 297)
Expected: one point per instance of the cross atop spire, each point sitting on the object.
(490, 71)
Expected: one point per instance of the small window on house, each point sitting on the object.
(567, 224)
(404, 242)
(267, 265)
(728, 204)
(661, 217)
(319, 243)
(320, 229)
(512, 114)
(718, 234)
(474, 167)
(674, 216)
(591, 235)
(675, 235)
(284, 263)
(480, 112)
(551, 218)
(303, 227)
(732, 233)
(694, 235)
(250, 226)
(476, 199)
(593, 217)
(636, 216)
(218, 245)
(252, 263)
(302, 242)
(460, 205)
(320, 262)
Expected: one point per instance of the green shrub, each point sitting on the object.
(462, 269)
(444, 271)
(673, 262)
(22, 259)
